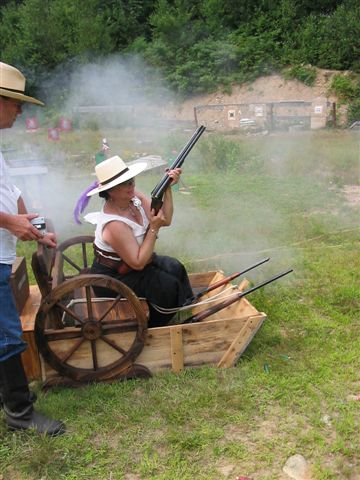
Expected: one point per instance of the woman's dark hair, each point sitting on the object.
(104, 194)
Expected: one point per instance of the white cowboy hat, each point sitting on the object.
(113, 171)
(12, 84)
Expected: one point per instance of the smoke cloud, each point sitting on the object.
(124, 101)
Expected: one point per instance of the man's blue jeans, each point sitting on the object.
(11, 342)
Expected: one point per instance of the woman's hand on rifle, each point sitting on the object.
(156, 221)
(168, 207)
(174, 175)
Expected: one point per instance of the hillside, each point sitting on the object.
(273, 88)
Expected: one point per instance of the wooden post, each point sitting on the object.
(177, 353)
(270, 116)
(195, 116)
(30, 356)
(334, 114)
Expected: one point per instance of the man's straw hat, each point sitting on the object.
(113, 171)
(12, 84)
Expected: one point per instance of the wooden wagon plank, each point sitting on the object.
(241, 341)
(30, 356)
(177, 352)
(202, 280)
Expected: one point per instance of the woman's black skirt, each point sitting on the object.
(163, 282)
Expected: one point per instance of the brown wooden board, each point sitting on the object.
(30, 357)
(19, 283)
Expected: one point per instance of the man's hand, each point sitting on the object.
(49, 240)
(20, 226)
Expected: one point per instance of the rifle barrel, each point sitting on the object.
(222, 282)
(211, 310)
(179, 160)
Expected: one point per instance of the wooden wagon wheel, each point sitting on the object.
(69, 250)
(104, 336)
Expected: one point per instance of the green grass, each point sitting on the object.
(294, 389)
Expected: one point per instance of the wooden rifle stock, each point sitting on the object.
(159, 190)
(234, 298)
(222, 282)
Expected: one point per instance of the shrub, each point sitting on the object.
(354, 111)
(305, 74)
(222, 154)
(347, 88)
(342, 86)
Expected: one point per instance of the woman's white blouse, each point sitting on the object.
(101, 219)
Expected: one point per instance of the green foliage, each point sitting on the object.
(347, 88)
(207, 65)
(303, 73)
(172, 22)
(324, 41)
(197, 46)
(40, 35)
(126, 20)
(343, 86)
(354, 111)
(220, 153)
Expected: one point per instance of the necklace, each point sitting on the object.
(122, 209)
(125, 209)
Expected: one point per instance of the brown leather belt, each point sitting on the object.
(118, 265)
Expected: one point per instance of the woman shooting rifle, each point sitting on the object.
(125, 237)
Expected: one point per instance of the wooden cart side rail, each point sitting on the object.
(203, 279)
(30, 356)
(41, 263)
(231, 355)
(241, 341)
(58, 270)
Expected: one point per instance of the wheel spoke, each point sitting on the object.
(73, 349)
(88, 302)
(84, 255)
(73, 264)
(94, 354)
(113, 345)
(113, 305)
(70, 312)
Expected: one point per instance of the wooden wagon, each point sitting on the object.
(76, 337)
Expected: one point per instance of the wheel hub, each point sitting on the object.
(92, 330)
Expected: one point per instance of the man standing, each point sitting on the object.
(15, 223)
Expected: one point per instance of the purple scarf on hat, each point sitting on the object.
(82, 202)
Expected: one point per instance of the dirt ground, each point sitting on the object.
(352, 194)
